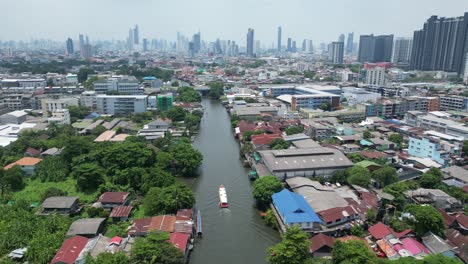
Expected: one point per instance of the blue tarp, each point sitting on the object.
(364, 142)
(394, 121)
(294, 208)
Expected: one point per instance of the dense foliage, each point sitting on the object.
(264, 188)
(167, 200)
(426, 218)
(353, 251)
(293, 249)
(293, 130)
(155, 248)
(188, 95)
(359, 176)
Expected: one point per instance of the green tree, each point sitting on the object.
(440, 259)
(156, 178)
(355, 157)
(77, 112)
(367, 134)
(270, 219)
(11, 180)
(352, 252)
(397, 189)
(74, 147)
(294, 130)
(385, 176)
(124, 155)
(357, 230)
(97, 212)
(53, 191)
(293, 249)
(175, 84)
(426, 218)
(167, 200)
(247, 136)
(359, 176)
(216, 90)
(339, 176)
(279, 143)
(371, 216)
(264, 188)
(155, 248)
(88, 176)
(325, 106)
(191, 121)
(188, 95)
(52, 169)
(176, 114)
(186, 159)
(396, 138)
(431, 179)
(108, 258)
(83, 74)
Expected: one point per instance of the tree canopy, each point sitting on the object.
(155, 248)
(385, 176)
(294, 130)
(279, 143)
(293, 249)
(264, 188)
(353, 251)
(188, 95)
(359, 176)
(426, 218)
(167, 200)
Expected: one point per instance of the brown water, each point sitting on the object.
(237, 234)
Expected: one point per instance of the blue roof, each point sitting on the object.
(149, 78)
(394, 121)
(364, 142)
(92, 115)
(294, 208)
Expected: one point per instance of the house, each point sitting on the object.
(262, 141)
(380, 231)
(369, 165)
(338, 215)
(160, 125)
(109, 200)
(88, 227)
(373, 155)
(321, 246)
(456, 173)
(140, 227)
(437, 245)
(411, 246)
(70, 250)
(27, 164)
(180, 241)
(435, 197)
(120, 213)
(32, 152)
(293, 209)
(184, 214)
(52, 152)
(64, 205)
(460, 243)
(350, 148)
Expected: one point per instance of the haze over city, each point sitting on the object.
(300, 19)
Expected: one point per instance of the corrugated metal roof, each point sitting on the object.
(294, 208)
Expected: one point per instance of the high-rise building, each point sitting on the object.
(441, 45)
(402, 52)
(145, 45)
(341, 38)
(130, 40)
(196, 39)
(289, 47)
(294, 47)
(70, 49)
(375, 76)
(250, 42)
(349, 43)
(304, 45)
(81, 38)
(87, 40)
(375, 48)
(336, 52)
(136, 35)
(279, 39)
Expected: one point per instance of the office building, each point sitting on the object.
(130, 40)
(402, 52)
(145, 45)
(357, 95)
(136, 35)
(196, 39)
(250, 42)
(375, 76)
(88, 99)
(289, 47)
(61, 117)
(293, 46)
(341, 38)
(349, 43)
(82, 43)
(426, 147)
(124, 85)
(456, 103)
(279, 39)
(70, 49)
(121, 104)
(52, 104)
(441, 45)
(375, 48)
(306, 96)
(336, 52)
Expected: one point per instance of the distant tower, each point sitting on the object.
(130, 39)
(70, 49)
(294, 47)
(136, 35)
(279, 38)
(250, 42)
(196, 39)
(341, 38)
(349, 43)
(335, 53)
(145, 45)
(289, 48)
(81, 41)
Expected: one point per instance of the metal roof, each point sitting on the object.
(294, 208)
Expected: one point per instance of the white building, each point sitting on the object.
(402, 51)
(357, 96)
(51, 104)
(121, 104)
(71, 79)
(120, 84)
(375, 76)
(88, 99)
(61, 117)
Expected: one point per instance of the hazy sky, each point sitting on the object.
(320, 20)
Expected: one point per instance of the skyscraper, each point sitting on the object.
(294, 47)
(341, 38)
(349, 43)
(145, 45)
(196, 39)
(70, 49)
(442, 44)
(375, 48)
(136, 35)
(81, 38)
(402, 52)
(289, 47)
(336, 52)
(279, 39)
(250, 42)
(130, 40)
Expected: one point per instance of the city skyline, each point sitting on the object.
(306, 22)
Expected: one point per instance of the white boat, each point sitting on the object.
(223, 197)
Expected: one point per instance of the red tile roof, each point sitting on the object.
(33, 151)
(116, 241)
(448, 219)
(264, 139)
(245, 126)
(373, 154)
(184, 214)
(179, 240)
(121, 211)
(380, 230)
(337, 213)
(319, 241)
(70, 250)
(26, 161)
(113, 197)
(159, 223)
(462, 220)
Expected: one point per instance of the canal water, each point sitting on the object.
(237, 234)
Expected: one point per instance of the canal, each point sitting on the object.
(237, 234)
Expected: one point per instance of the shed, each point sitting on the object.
(88, 227)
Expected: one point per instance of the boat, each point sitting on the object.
(199, 225)
(223, 197)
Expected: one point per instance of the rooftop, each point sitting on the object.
(59, 202)
(294, 208)
(85, 226)
(26, 161)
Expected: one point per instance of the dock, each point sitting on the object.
(199, 225)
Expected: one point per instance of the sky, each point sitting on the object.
(320, 21)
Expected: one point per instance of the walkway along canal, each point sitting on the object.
(237, 234)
